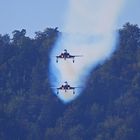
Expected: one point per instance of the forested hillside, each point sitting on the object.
(108, 109)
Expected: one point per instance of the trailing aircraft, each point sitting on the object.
(66, 87)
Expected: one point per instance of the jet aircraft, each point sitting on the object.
(66, 87)
(65, 55)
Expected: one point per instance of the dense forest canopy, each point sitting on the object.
(108, 109)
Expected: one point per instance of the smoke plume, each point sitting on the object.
(89, 30)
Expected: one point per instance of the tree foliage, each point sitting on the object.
(108, 109)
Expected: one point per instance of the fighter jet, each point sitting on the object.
(66, 87)
(65, 55)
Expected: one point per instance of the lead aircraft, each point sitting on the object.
(65, 55)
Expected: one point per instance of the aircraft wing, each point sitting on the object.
(59, 88)
(58, 56)
(74, 87)
(72, 56)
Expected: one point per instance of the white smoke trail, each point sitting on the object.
(89, 28)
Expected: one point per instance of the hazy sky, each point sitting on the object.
(35, 15)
